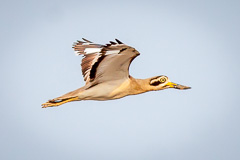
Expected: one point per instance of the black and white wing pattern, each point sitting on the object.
(105, 62)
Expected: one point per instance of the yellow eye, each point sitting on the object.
(162, 80)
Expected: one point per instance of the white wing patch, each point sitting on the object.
(92, 50)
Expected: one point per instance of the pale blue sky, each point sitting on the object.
(194, 43)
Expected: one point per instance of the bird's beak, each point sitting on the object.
(176, 86)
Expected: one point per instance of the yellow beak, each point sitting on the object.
(176, 86)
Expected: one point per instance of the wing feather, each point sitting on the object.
(104, 62)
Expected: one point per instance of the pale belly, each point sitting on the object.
(106, 91)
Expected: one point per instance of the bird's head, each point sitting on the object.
(163, 82)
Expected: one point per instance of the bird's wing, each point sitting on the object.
(105, 62)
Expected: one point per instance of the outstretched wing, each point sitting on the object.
(105, 62)
(91, 53)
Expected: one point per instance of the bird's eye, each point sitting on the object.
(158, 80)
(162, 80)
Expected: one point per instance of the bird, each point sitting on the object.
(105, 69)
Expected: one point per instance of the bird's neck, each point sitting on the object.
(140, 85)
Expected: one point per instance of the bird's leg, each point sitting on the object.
(57, 102)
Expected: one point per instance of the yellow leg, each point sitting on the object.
(52, 103)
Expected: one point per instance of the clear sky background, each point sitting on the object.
(194, 43)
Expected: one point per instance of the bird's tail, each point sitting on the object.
(69, 97)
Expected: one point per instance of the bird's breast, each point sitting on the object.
(106, 91)
(121, 90)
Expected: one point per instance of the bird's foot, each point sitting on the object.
(57, 102)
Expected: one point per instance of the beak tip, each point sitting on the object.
(177, 86)
(181, 87)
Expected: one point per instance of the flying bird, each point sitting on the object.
(105, 70)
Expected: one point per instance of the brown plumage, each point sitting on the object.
(105, 70)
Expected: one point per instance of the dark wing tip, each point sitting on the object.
(87, 40)
(107, 45)
(119, 42)
(112, 42)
